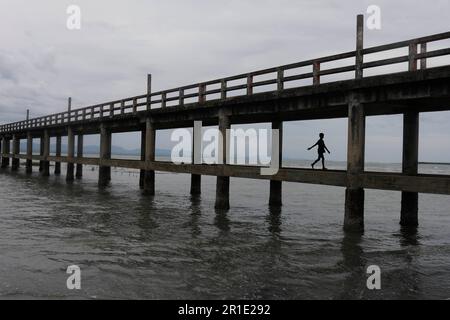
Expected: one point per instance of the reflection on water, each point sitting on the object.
(174, 245)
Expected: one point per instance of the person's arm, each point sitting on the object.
(313, 145)
(327, 149)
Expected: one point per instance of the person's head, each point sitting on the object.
(321, 135)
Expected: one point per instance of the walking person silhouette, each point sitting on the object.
(321, 148)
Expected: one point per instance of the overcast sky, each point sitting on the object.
(186, 41)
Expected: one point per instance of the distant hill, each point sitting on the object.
(92, 149)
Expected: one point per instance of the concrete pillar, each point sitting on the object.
(354, 195)
(79, 171)
(5, 152)
(275, 198)
(104, 176)
(41, 153)
(46, 163)
(29, 165)
(223, 182)
(70, 154)
(16, 151)
(196, 184)
(150, 140)
(409, 208)
(58, 154)
(142, 171)
(196, 179)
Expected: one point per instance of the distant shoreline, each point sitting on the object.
(439, 163)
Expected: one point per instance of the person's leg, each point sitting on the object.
(312, 164)
(323, 162)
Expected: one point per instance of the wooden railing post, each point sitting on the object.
(249, 84)
(423, 61)
(111, 110)
(412, 56)
(223, 89)
(163, 100)
(201, 93)
(359, 58)
(149, 91)
(316, 73)
(280, 80)
(69, 108)
(181, 97)
(134, 105)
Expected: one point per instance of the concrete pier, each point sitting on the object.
(16, 150)
(150, 145)
(223, 182)
(104, 175)
(58, 154)
(409, 205)
(275, 198)
(70, 154)
(196, 179)
(196, 184)
(5, 152)
(142, 171)
(79, 166)
(251, 98)
(46, 163)
(354, 194)
(29, 163)
(41, 152)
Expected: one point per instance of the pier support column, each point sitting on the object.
(142, 171)
(16, 150)
(58, 154)
(70, 154)
(275, 198)
(41, 153)
(5, 152)
(196, 179)
(46, 163)
(275, 193)
(409, 207)
(29, 165)
(223, 182)
(104, 175)
(354, 194)
(150, 140)
(79, 167)
(196, 184)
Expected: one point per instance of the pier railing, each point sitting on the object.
(220, 89)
